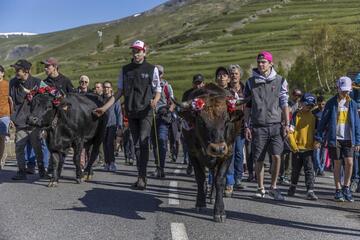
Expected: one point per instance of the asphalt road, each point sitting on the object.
(107, 208)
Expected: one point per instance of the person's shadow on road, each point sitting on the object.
(122, 203)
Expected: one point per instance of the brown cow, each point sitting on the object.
(213, 121)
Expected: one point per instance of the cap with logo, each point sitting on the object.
(138, 44)
(344, 84)
(308, 99)
(198, 78)
(265, 56)
(22, 64)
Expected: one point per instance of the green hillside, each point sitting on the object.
(189, 37)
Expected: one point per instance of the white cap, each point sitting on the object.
(138, 44)
(344, 84)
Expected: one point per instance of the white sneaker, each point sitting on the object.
(112, 167)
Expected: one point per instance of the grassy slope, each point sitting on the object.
(198, 37)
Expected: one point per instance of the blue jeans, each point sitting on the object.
(30, 154)
(162, 129)
(319, 160)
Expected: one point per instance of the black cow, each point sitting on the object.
(213, 117)
(69, 122)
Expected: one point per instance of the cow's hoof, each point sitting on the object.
(220, 218)
(53, 184)
(200, 209)
(212, 200)
(79, 180)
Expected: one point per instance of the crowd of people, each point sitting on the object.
(300, 134)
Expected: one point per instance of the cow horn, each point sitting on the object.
(183, 105)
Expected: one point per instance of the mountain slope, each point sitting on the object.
(193, 36)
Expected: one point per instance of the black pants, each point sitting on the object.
(141, 130)
(299, 160)
(129, 149)
(108, 144)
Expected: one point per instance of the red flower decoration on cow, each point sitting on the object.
(198, 104)
(231, 104)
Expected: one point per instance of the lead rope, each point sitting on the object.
(157, 160)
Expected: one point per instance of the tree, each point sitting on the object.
(117, 41)
(330, 52)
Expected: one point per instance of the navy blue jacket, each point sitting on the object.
(327, 127)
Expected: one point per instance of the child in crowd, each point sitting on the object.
(301, 138)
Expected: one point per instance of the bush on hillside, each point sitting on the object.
(330, 52)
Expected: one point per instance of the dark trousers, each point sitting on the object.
(141, 130)
(249, 158)
(129, 148)
(299, 160)
(108, 144)
(162, 129)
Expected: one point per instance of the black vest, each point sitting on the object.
(138, 90)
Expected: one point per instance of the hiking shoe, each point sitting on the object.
(238, 185)
(339, 197)
(250, 178)
(30, 170)
(19, 176)
(275, 193)
(354, 185)
(228, 191)
(106, 167)
(189, 170)
(3, 160)
(284, 181)
(112, 167)
(347, 194)
(260, 193)
(140, 184)
(291, 191)
(310, 195)
(131, 161)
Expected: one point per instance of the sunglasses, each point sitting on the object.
(84, 82)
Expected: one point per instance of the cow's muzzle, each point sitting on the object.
(217, 149)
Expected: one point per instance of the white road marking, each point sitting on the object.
(177, 171)
(178, 231)
(173, 196)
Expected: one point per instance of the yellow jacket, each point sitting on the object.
(302, 131)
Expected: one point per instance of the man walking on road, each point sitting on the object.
(268, 107)
(19, 87)
(140, 83)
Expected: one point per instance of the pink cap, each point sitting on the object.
(138, 44)
(265, 55)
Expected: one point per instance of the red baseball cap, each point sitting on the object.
(51, 61)
(138, 44)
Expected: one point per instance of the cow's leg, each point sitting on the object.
(212, 186)
(200, 180)
(76, 159)
(88, 170)
(219, 209)
(54, 181)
